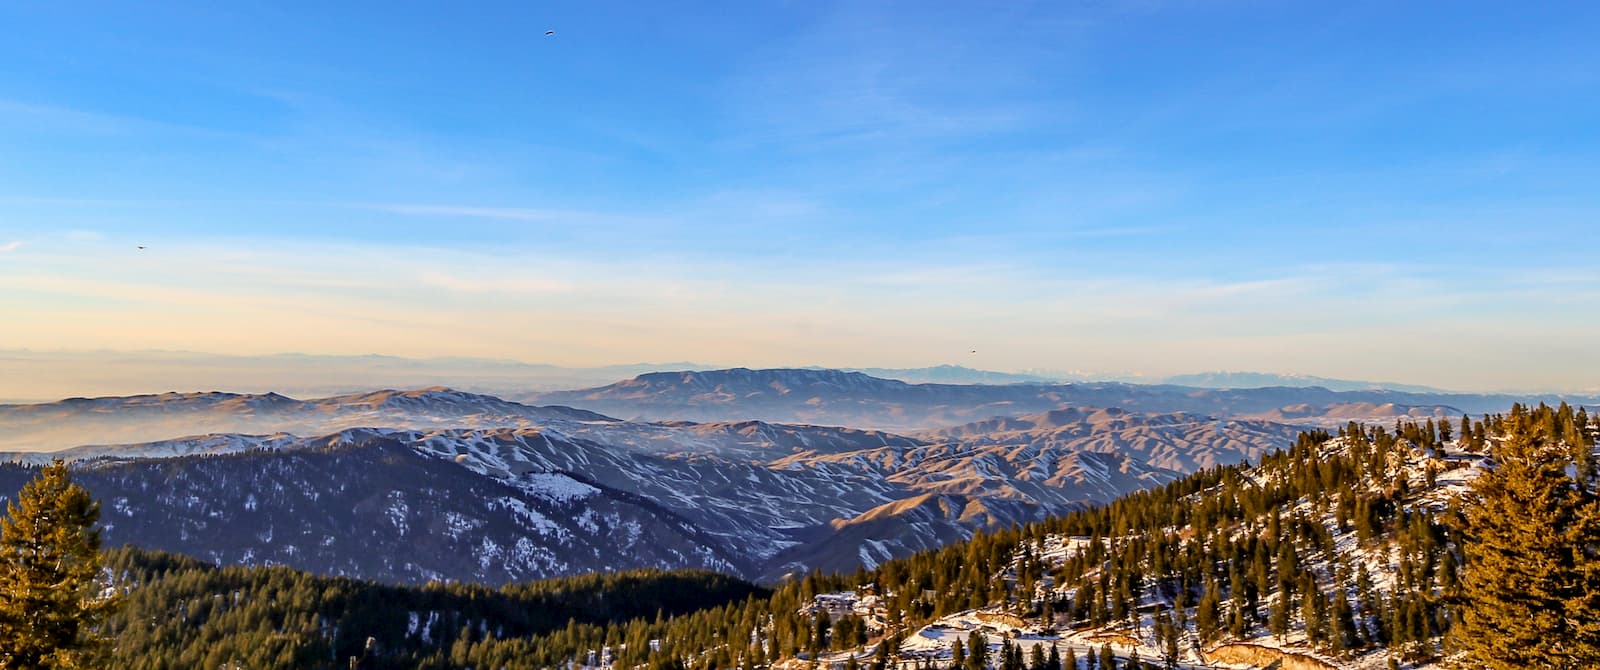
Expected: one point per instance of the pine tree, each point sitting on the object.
(1208, 614)
(977, 651)
(1521, 571)
(1310, 610)
(819, 638)
(1583, 604)
(880, 656)
(1170, 651)
(1278, 618)
(49, 575)
(1582, 445)
(1342, 625)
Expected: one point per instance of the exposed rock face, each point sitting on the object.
(1257, 656)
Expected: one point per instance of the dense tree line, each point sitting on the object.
(181, 613)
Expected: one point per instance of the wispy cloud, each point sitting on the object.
(587, 218)
(474, 212)
(849, 80)
(496, 284)
(62, 118)
(58, 118)
(11, 246)
(943, 276)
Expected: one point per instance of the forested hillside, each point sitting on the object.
(1399, 546)
(177, 612)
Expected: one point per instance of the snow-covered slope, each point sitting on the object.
(197, 445)
(1372, 571)
(764, 498)
(376, 507)
(1179, 441)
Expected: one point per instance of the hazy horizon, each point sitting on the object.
(29, 376)
(1359, 191)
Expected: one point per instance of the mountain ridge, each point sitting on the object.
(147, 417)
(768, 499)
(835, 397)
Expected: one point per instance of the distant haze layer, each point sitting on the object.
(41, 376)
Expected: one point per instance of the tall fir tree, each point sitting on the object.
(1583, 603)
(1523, 567)
(50, 590)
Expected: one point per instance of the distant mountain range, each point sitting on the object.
(33, 376)
(835, 397)
(949, 374)
(734, 470)
(955, 374)
(507, 504)
(439, 484)
(1244, 380)
(79, 421)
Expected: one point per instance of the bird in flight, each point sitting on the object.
(549, 33)
(141, 247)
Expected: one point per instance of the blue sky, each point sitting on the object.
(1344, 189)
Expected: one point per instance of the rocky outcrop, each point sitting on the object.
(1257, 656)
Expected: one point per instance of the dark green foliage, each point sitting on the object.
(180, 613)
